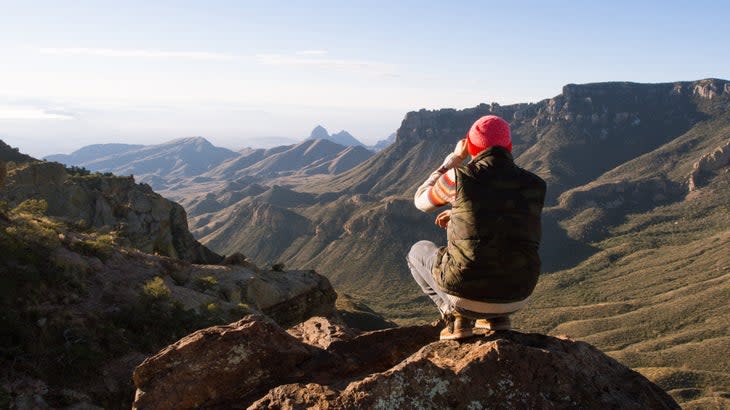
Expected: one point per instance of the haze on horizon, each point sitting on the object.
(82, 73)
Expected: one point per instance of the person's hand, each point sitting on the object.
(443, 218)
(461, 150)
(455, 158)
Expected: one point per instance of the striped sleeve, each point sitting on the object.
(437, 192)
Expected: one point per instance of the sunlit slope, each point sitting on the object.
(655, 296)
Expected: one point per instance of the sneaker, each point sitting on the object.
(457, 327)
(496, 323)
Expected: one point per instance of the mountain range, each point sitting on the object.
(343, 137)
(635, 232)
(190, 161)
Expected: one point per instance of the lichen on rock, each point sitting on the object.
(414, 371)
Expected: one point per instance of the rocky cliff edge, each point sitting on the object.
(148, 221)
(255, 364)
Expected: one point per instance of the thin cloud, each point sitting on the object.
(371, 67)
(17, 113)
(311, 52)
(131, 53)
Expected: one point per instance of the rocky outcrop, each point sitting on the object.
(105, 308)
(230, 366)
(293, 296)
(710, 88)
(236, 361)
(715, 160)
(322, 332)
(148, 221)
(10, 154)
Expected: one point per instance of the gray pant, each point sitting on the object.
(421, 260)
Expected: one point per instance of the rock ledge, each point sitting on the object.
(405, 368)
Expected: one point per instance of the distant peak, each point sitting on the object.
(345, 138)
(199, 140)
(191, 141)
(319, 132)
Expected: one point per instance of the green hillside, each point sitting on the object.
(655, 296)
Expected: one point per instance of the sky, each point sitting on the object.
(75, 73)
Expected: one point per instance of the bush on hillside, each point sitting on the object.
(34, 207)
(77, 171)
(100, 246)
(206, 283)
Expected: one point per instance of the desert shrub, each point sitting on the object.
(155, 289)
(278, 267)
(206, 283)
(35, 207)
(241, 310)
(154, 322)
(30, 235)
(35, 233)
(100, 246)
(77, 171)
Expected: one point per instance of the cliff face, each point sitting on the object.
(397, 368)
(716, 160)
(569, 140)
(150, 222)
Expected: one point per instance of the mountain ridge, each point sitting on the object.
(185, 162)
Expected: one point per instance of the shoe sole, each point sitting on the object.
(492, 329)
(457, 336)
(489, 332)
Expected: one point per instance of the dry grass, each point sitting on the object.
(655, 297)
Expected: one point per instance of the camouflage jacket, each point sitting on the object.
(494, 232)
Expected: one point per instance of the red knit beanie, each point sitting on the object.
(486, 132)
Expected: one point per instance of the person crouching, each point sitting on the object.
(490, 264)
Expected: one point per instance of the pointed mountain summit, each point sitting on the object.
(319, 132)
(343, 137)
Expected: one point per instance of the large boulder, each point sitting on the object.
(254, 363)
(219, 364)
(504, 371)
(293, 296)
